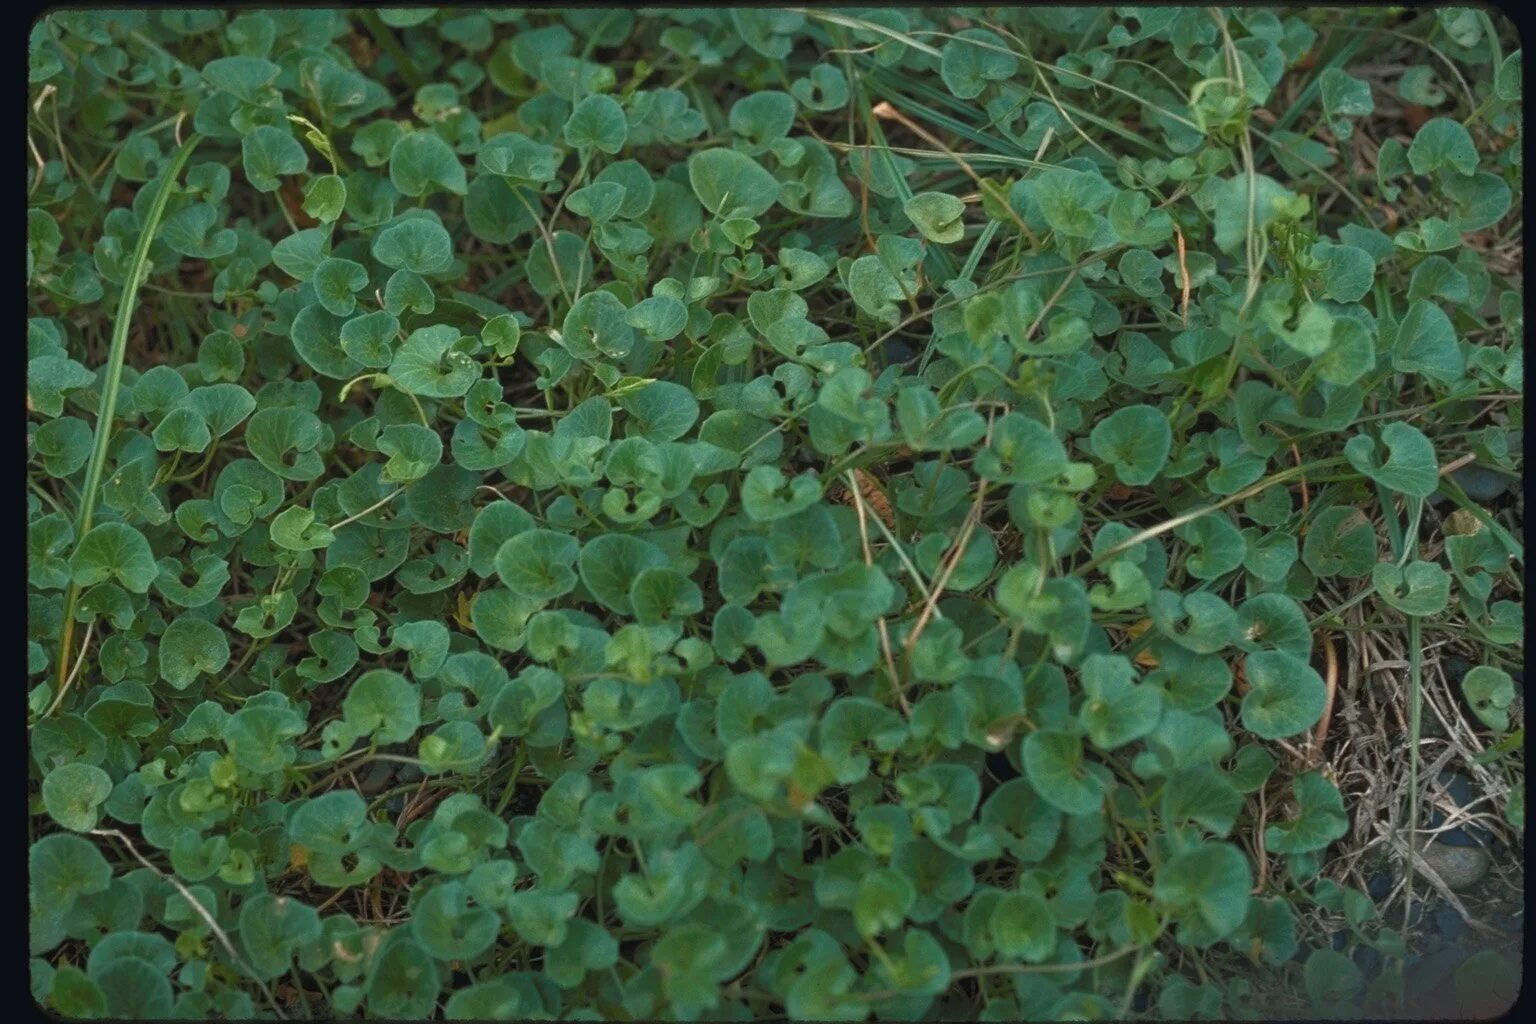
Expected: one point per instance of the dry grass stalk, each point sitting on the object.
(857, 495)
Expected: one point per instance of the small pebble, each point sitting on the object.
(1481, 484)
(1460, 867)
(1449, 923)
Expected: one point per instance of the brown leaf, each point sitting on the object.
(874, 498)
(1146, 659)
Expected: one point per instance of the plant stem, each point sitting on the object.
(138, 269)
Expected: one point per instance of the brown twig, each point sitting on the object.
(1331, 680)
(972, 519)
(1306, 499)
(1183, 274)
(85, 644)
(1260, 854)
(885, 637)
(1455, 464)
(955, 554)
(885, 111)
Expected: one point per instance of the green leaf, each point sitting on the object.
(413, 451)
(73, 795)
(660, 411)
(1022, 451)
(1208, 885)
(1116, 710)
(884, 897)
(114, 551)
(597, 122)
(937, 215)
(1320, 818)
(1442, 145)
(271, 930)
(1055, 766)
(1203, 794)
(1481, 200)
(731, 184)
(1409, 466)
(1426, 344)
(1331, 978)
(432, 364)
(1417, 86)
(403, 982)
(974, 58)
(766, 495)
(76, 995)
(243, 76)
(421, 163)
(258, 736)
(1341, 542)
(1490, 692)
(609, 564)
(1348, 271)
(336, 283)
(1198, 621)
(1135, 440)
(1071, 201)
(1344, 97)
(1217, 546)
(369, 339)
(65, 444)
(537, 564)
(1023, 928)
(268, 154)
(597, 326)
(515, 156)
(134, 989)
(420, 245)
(1418, 588)
(1285, 695)
(61, 868)
(449, 927)
(325, 197)
(384, 705)
(190, 648)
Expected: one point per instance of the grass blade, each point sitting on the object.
(137, 270)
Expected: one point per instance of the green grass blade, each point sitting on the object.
(137, 270)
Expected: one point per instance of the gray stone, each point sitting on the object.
(1461, 867)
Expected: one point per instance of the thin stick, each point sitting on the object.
(1306, 499)
(885, 636)
(1193, 514)
(1455, 464)
(202, 912)
(886, 111)
(1331, 679)
(391, 496)
(1183, 274)
(955, 553)
(1260, 853)
(906, 560)
(85, 644)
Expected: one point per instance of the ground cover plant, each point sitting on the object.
(838, 514)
